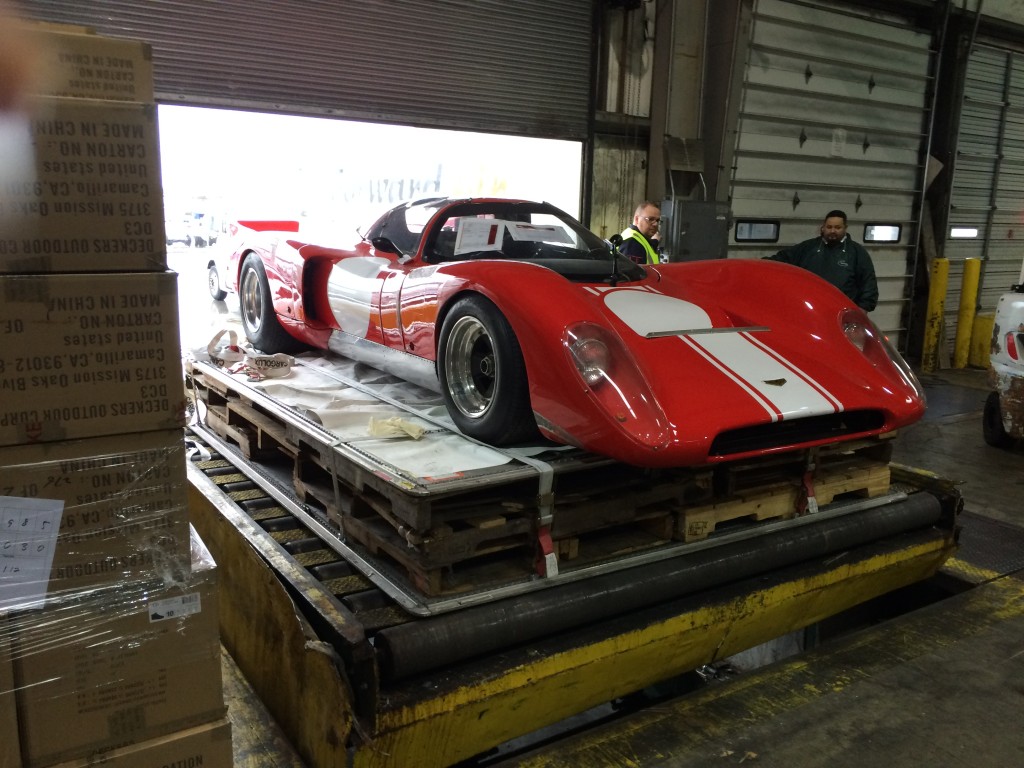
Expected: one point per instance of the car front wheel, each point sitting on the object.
(992, 423)
(259, 320)
(482, 374)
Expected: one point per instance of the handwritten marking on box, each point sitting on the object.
(28, 538)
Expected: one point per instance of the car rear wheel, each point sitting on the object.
(213, 281)
(482, 374)
(259, 321)
(992, 424)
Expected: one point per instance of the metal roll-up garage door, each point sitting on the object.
(833, 115)
(522, 68)
(987, 191)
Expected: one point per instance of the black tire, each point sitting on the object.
(483, 377)
(992, 424)
(259, 320)
(213, 283)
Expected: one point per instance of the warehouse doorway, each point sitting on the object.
(333, 176)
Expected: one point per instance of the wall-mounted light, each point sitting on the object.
(756, 231)
(963, 232)
(882, 233)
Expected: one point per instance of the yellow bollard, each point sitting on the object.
(965, 314)
(981, 340)
(934, 318)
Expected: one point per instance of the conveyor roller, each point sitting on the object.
(440, 641)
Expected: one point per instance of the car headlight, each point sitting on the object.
(610, 375)
(591, 358)
(876, 347)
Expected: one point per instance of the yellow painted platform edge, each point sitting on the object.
(469, 720)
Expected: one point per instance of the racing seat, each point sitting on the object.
(443, 248)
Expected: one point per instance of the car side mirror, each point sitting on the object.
(384, 244)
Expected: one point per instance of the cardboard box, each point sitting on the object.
(208, 746)
(88, 355)
(101, 669)
(92, 200)
(10, 752)
(89, 66)
(125, 512)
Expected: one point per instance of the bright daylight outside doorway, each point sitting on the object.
(332, 176)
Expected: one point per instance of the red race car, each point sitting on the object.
(525, 321)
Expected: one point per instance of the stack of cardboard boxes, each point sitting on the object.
(109, 644)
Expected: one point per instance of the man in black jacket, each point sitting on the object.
(837, 258)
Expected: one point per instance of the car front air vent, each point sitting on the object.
(783, 433)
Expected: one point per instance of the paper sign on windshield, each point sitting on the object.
(479, 235)
(538, 233)
(488, 234)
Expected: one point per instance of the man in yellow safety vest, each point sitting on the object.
(639, 240)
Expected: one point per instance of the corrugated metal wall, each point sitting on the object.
(488, 65)
(834, 115)
(987, 191)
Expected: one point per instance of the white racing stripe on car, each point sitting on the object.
(780, 387)
(648, 312)
(773, 412)
(837, 404)
(768, 374)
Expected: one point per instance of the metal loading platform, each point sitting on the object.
(358, 672)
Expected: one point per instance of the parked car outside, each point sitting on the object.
(1003, 418)
(219, 257)
(177, 233)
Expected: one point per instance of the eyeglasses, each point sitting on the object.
(651, 219)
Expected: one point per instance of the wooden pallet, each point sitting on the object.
(496, 559)
(858, 476)
(471, 537)
(476, 552)
(492, 556)
(646, 532)
(588, 496)
(328, 475)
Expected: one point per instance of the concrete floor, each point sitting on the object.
(949, 442)
(200, 317)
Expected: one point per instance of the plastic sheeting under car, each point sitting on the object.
(334, 393)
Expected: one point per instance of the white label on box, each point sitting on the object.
(175, 607)
(28, 537)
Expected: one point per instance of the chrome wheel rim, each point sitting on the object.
(470, 367)
(213, 281)
(251, 300)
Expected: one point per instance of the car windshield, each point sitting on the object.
(520, 231)
(404, 225)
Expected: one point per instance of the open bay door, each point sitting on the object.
(986, 209)
(834, 114)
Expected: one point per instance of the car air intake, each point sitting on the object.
(796, 431)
